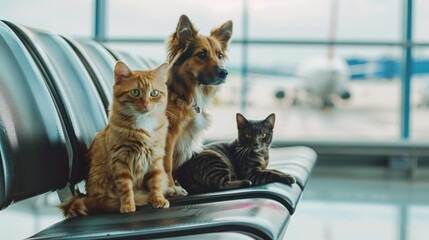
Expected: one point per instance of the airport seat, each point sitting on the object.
(99, 63)
(49, 115)
(264, 219)
(287, 195)
(134, 61)
(33, 141)
(298, 161)
(84, 113)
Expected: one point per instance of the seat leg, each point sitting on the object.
(68, 191)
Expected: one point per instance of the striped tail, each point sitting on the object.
(84, 205)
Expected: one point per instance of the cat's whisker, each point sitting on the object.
(240, 151)
(248, 151)
(125, 117)
(245, 152)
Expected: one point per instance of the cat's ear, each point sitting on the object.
(270, 120)
(185, 30)
(122, 71)
(223, 34)
(160, 73)
(241, 121)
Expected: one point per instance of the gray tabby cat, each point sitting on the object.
(241, 163)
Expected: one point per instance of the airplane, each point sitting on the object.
(318, 80)
(323, 78)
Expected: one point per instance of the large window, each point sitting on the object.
(274, 39)
(308, 19)
(421, 21)
(368, 181)
(158, 18)
(65, 17)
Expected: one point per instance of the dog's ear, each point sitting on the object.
(185, 31)
(223, 33)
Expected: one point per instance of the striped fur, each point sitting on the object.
(126, 158)
(241, 163)
(196, 69)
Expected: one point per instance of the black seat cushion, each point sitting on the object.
(99, 63)
(287, 195)
(298, 161)
(83, 107)
(259, 218)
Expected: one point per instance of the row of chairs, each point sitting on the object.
(54, 96)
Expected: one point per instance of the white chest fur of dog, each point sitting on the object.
(191, 139)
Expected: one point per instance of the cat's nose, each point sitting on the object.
(145, 107)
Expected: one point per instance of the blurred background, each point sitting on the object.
(349, 78)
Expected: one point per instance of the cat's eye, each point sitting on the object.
(263, 135)
(248, 136)
(220, 56)
(135, 93)
(154, 93)
(202, 55)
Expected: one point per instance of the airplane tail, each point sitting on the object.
(84, 205)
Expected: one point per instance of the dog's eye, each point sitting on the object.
(135, 92)
(202, 55)
(220, 56)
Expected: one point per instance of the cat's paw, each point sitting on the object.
(169, 192)
(160, 202)
(176, 191)
(246, 183)
(289, 179)
(128, 208)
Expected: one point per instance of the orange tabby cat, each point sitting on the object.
(126, 157)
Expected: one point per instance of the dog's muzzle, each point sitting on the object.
(222, 73)
(215, 77)
(220, 77)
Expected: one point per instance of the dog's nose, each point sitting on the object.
(222, 72)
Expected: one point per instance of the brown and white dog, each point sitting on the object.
(196, 69)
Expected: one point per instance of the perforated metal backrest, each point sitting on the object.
(35, 154)
(75, 89)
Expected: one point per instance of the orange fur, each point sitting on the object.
(126, 157)
(194, 75)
